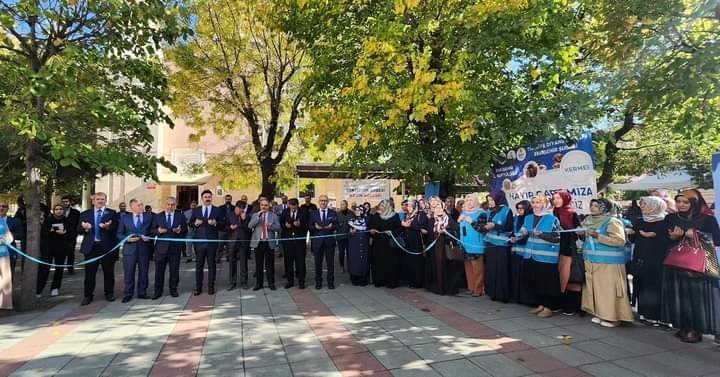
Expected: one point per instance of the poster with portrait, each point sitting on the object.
(548, 167)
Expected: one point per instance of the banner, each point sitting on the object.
(366, 190)
(432, 189)
(716, 181)
(546, 168)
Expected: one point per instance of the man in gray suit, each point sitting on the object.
(264, 225)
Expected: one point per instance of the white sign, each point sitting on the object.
(366, 189)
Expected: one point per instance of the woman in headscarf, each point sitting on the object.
(416, 229)
(519, 291)
(605, 294)
(472, 240)
(542, 249)
(443, 276)
(571, 289)
(385, 255)
(690, 301)
(358, 259)
(651, 247)
(497, 253)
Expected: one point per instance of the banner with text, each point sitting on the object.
(546, 168)
(366, 190)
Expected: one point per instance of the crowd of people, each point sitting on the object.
(541, 253)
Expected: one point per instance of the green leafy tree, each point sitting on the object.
(241, 77)
(435, 90)
(82, 84)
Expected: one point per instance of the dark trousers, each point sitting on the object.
(223, 248)
(163, 259)
(71, 253)
(57, 258)
(238, 253)
(324, 251)
(108, 267)
(205, 252)
(342, 246)
(264, 259)
(138, 259)
(294, 254)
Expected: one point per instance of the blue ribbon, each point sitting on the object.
(411, 252)
(88, 261)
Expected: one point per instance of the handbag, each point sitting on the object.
(454, 252)
(577, 268)
(696, 255)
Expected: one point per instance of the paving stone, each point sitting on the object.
(396, 358)
(323, 367)
(534, 338)
(570, 355)
(281, 370)
(303, 352)
(500, 366)
(418, 369)
(608, 369)
(435, 352)
(459, 368)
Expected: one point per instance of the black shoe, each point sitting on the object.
(157, 295)
(189, 260)
(331, 285)
(301, 285)
(273, 287)
(211, 291)
(318, 285)
(126, 299)
(143, 297)
(245, 286)
(197, 291)
(109, 297)
(174, 293)
(86, 301)
(232, 287)
(71, 271)
(289, 285)
(257, 288)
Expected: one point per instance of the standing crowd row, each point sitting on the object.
(542, 254)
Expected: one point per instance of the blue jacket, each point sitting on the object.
(205, 230)
(108, 237)
(331, 218)
(127, 227)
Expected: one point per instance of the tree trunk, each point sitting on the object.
(32, 242)
(267, 170)
(611, 151)
(48, 191)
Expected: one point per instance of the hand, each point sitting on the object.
(406, 223)
(647, 234)
(162, 230)
(489, 226)
(212, 222)
(513, 239)
(676, 232)
(524, 232)
(133, 239)
(297, 223)
(243, 215)
(178, 230)
(146, 238)
(198, 222)
(592, 233)
(86, 225)
(373, 231)
(106, 224)
(60, 231)
(352, 231)
(318, 227)
(630, 231)
(537, 232)
(329, 226)
(423, 231)
(288, 225)
(233, 226)
(388, 232)
(689, 233)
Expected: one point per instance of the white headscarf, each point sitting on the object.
(656, 208)
(389, 212)
(441, 220)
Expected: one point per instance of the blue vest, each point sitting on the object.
(519, 249)
(3, 231)
(537, 248)
(499, 238)
(597, 252)
(471, 239)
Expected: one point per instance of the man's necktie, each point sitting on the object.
(263, 234)
(98, 217)
(205, 212)
(137, 222)
(322, 216)
(169, 221)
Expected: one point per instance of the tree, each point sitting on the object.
(241, 76)
(436, 90)
(83, 83)
(655, 66)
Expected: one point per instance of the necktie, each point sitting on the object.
(322, 216)
(292, 215)
(205, 212)
(98, 217)
(137, 222)
(169, 221)
(263, 234)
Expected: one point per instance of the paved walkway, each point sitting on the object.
(350, 331)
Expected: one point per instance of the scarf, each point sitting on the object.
(565, 212)
(441, 220)
(389, 212)
(655, 208)
(701, 203)
(520, 219)
(359, 221)
(595, 221)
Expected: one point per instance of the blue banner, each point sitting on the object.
(432, 189)
(548, 167)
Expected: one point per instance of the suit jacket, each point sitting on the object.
(108, 237)
(242, 232)
(228, 210)
(73, 217)
(280, 208)
(205, 230)
(293, 231)
(160, 221)
(256, 226)
(127, 227)
(315, 219)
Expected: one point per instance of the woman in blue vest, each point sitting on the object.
(542, 251)
(473, 244)
(416, 229)
(497, 251)
(605, 294)
(6, 238)
(520, 293)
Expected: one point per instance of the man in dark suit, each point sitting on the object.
(224, 234)
(294, 226)
(136, 251)
(98, 226)
(264, 225)
(73, 217)
(240, 235)
(324, 222)
(168, 224)
(207, 221)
